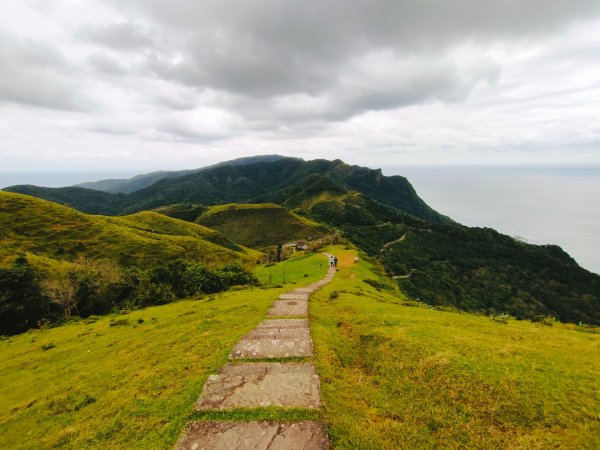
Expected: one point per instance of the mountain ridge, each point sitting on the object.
(137, 182)
(254, 182)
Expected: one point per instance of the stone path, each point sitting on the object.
(284, 334)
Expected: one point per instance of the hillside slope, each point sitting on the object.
(395, 374)
(473, 269)
(260, 225)
(54, 231)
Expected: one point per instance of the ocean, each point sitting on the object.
(539, 205)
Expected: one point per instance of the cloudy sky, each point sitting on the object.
(149, 84)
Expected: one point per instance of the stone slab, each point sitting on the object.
(288, 308)
(295, 327)
(257, 435)
(303, 290)
(283, 323)
(290, 340)
(254, 385)
(291, 347)
(290, 296)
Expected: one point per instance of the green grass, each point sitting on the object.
(398, 376)
(130, 380)
(51, 233)
(260, 225)
(129, 385)
(305, 269)
(394, 373)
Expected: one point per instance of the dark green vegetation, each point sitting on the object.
(260, 225)
(434, 259)
(473, 269)
(257, 182)
(55, 262)
(183, 211)
(129, 185)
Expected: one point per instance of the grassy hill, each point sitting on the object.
(394, 373)
(55, 262)
(84, 200)
(49, 230)
(260, 225)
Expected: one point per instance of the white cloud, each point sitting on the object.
(365, 81)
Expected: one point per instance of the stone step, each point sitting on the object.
(257, 435)
(282, 323)
(254, 385)
(303, 290)
(288, 308)
(290, 340)
(290, 296)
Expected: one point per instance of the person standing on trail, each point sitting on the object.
(331, 261)
(335, 262)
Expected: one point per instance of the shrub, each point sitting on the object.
(377, 284)
(22, 304)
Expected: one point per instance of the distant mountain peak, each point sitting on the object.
(138, 182)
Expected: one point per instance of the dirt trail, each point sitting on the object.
(386, 245)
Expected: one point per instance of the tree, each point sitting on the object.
(63, 293)
(22, 304)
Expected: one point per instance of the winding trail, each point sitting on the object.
(269, 381)
(387, 244)
(399, 277)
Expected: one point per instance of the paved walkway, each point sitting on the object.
(242, 384)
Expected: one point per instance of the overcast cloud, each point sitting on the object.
(147, 84)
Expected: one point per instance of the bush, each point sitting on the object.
(377, 284)
(22, 304)
(201, 280)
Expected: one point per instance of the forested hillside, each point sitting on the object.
(257, 182)
(473, 269)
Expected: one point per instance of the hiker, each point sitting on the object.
(356, 259)
(335, 260)
(331, 261)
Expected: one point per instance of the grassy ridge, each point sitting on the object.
(400, 376)
(260, 225)
(56, 232)
(130, 380)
